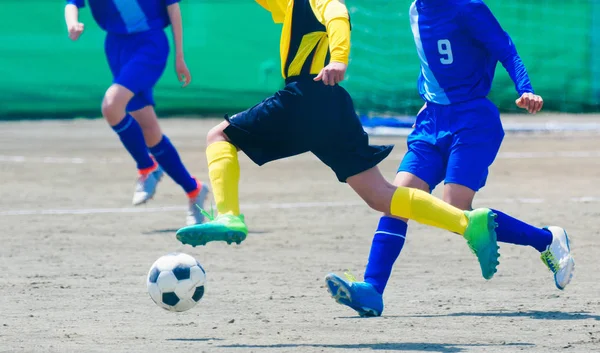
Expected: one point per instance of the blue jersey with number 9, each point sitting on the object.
(459, 43)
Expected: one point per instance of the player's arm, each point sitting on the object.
(334, 15)
(74, 27)
(484, 27)
(183, 73)
(277, 8)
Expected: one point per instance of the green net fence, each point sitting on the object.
(234, 58)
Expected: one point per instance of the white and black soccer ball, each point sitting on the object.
(176, 282)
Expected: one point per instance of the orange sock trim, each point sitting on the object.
(194, 193)
(149, 170)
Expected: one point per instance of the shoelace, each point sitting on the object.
(550, 260)
(349, 276)
(211, 215)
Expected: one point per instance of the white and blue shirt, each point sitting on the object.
(128, 16)
(460, 43)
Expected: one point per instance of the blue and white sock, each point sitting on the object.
(513, 231)
(167, 157)
(385, 249)
(132, 137)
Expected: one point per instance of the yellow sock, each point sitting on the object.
(426, 209)
(224, 174)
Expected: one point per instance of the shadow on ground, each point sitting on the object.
(532, 314)
(194, 339)
(400, 346)
(174, 230)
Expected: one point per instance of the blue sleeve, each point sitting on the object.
(78, 3)
(484, 27)
(171, 2)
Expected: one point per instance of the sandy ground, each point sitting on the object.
(74, 254)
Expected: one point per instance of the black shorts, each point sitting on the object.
(307, 116)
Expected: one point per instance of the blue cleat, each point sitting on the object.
(360, 296)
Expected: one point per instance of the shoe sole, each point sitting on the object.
(195, 238)
(150, 196)
(339, 291)
(571, 264)
(488, 255)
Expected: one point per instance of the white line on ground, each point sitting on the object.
(91, 211)
(381, 131)
(290, 205)
(79, 160)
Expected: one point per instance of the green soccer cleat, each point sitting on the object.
(481, 238)
(227, 228)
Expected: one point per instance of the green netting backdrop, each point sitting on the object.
(234, 57)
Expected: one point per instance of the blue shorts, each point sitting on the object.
(454, 143)
(307, 116)
(137, 61)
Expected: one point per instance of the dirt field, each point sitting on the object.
(75, 254)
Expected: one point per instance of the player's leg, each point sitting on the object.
(168, 158)
(473, 151)
(114, 104)
(353, 160)
(129, 131)
(224, 174)
(552, 242)
(476, 226)
(120, 52)
(367, 297)
(265, 132)
(389, 238)
(422, 168)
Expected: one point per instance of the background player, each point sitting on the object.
(137, 50)
(313, 113)
(456, 138)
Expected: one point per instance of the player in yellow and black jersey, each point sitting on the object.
(312, 113)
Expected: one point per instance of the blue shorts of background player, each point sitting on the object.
(454, 143)
(137, 61)
(137, 50)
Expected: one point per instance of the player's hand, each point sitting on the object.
(183, 73)
(76, 30)
(332, 74)
(532, 102)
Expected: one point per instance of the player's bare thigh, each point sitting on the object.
(217, 133)
(459, 196)
(115, 102)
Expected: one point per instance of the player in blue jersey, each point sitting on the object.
(457, 135)
(137, 50)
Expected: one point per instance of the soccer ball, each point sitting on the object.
(176, 282)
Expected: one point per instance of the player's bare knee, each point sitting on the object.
(112, 111)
